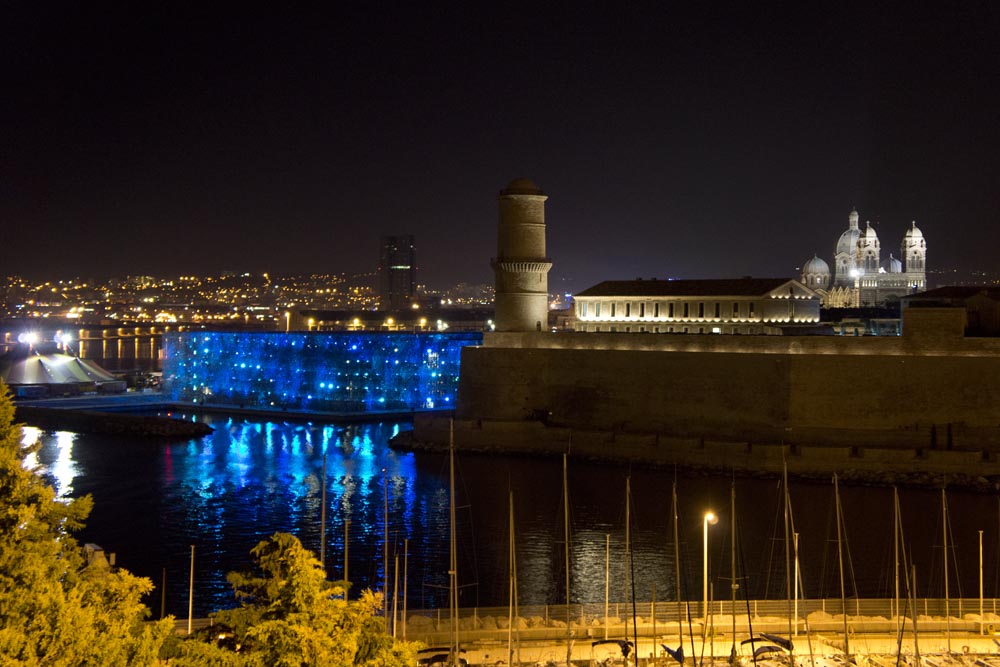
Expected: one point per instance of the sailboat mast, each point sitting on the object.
(631, 565)
(322, 519)
(385, 550)
(510, 560)
(628, 544)
(453, 559)
(732, 560)
(895, 551)
(677, 566)
(607, 579)
(628, 548)
(913, 604)
(569, 631)
(406, 568)
(788, 544)
(840, 564)
(798, 575)
(944, 541)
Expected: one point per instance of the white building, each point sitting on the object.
(731, 306)
(860, 276)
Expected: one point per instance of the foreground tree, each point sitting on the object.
(291, 616)
(54, 610)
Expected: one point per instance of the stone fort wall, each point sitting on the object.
(652, 395)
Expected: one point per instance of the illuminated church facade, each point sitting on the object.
(860, 277)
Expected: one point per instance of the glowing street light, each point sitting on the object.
(288, 321)
(29, 338)
(710, 519)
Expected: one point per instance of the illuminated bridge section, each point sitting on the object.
(321, 371)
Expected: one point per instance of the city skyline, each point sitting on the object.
(684, 142)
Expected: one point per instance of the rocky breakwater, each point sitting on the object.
(104, 423)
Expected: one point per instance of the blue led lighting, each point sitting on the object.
(358, 372)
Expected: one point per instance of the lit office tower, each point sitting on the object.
(397, 272)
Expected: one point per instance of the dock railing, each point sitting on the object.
(486, 625)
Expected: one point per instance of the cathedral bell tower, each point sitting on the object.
(914, 252)
(521, 266)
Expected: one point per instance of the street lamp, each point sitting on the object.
(710, 518)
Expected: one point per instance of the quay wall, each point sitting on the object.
(924, 402)
(868, 463)
(727, 393)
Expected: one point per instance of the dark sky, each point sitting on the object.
(674, 139)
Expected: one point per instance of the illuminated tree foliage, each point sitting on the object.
(290, 616)
(54, 608)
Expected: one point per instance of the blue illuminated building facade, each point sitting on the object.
(321, 371)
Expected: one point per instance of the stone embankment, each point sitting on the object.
(104, 423)
(874, 464)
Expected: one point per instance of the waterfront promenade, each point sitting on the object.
(872, 629)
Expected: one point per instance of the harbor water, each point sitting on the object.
(251, 478)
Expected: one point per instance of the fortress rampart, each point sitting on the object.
(928, 401)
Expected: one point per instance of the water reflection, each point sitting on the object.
(54, 459)
(225, 492)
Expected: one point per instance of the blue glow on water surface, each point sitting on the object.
(253, 477)
(322, 371)
(248, 480)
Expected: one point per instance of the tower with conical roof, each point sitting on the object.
(521, 266)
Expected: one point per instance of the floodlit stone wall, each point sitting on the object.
(930, 389)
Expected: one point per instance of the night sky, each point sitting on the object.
(674, 139)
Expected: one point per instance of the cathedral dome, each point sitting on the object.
(815, 265)
(870, 234)
(892, 265)
(816, 273)
(914, 232)
(848, 242)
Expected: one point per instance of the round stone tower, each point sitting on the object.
(521, 267)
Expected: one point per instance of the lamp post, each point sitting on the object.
(710, 519)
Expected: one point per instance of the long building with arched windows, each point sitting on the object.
(728, 306)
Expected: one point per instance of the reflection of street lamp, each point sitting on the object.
(710, 518)
(288, 321)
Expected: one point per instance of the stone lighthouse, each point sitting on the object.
(521, 267)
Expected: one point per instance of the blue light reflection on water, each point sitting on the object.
(226, 492)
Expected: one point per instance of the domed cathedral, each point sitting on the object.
(861, 277)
